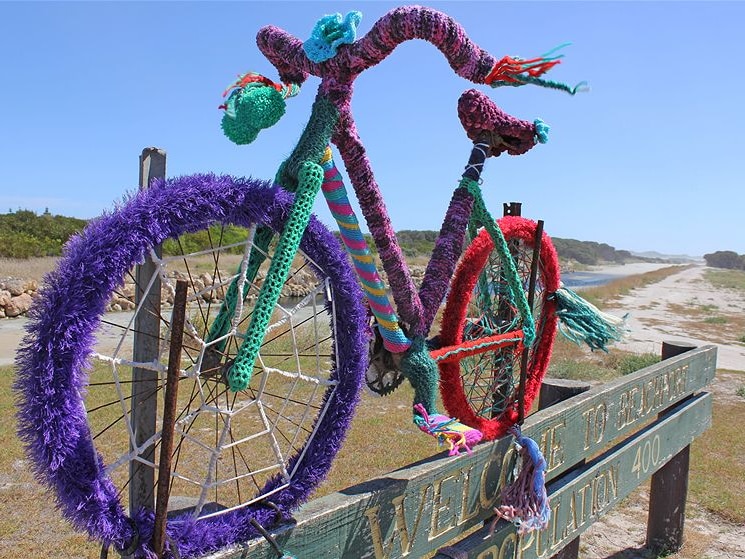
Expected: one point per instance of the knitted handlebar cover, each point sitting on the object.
(468, 60)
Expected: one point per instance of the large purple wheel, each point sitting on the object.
(254, 454)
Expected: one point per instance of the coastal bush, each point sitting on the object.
(23, 234)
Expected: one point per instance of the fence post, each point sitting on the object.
(669, 488)
(146, 349)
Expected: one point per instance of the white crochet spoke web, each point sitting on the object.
(227, 445)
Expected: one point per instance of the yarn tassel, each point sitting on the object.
(525, 501)
(514, 71)
(581, 321)
(447, 430)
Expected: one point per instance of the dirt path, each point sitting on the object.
(685, 308)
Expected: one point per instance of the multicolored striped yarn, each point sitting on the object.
(335, 193)
(447, 430)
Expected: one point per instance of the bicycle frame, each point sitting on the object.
(332, 121)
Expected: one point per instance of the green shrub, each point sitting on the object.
(628, 363)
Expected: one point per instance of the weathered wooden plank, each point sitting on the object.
(417, 509)
(146, 349)
(580, 498)
(668, 490)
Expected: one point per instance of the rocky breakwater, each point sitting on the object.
(210, 288)
(16, 296)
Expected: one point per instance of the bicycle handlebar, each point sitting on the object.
(467, 59)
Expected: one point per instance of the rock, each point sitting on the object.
(31, 286)
(2, 312)
(15, 286)
(18, 305)
(206, 279)
(116, 307)
(128, 291)
(4, 298)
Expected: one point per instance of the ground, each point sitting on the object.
(677, 309)
(670, 311)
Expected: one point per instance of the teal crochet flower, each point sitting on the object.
(329, 33)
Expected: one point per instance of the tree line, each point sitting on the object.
(24, 234)
(422, 243)
(725, 259)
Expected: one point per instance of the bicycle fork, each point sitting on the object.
(310, 178)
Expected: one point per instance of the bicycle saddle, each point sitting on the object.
(485, 122)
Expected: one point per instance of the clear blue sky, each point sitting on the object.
(649, 159)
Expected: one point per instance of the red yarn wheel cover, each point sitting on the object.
(454, 317)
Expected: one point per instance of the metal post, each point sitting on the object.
(524, 358)
(146, 349)
(512, 208)
(669, 488)
(504, 309)
(178, 318)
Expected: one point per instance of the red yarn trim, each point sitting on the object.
(252, 77)
(453, 321)
(474, 347)
(508, 69)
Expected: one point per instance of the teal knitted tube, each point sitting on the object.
(312, 144)
(310, 178)
(422, 372)
(500, 245)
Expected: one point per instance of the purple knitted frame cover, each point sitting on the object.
(52, 361)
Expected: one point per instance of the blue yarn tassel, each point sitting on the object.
(582, 321)
(525, 500)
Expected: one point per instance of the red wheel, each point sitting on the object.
(480, 390)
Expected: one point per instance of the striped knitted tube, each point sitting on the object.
(336, 196)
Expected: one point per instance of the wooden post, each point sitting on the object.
(170, 401)
(669, 488)
(552, 392)
(146, 349)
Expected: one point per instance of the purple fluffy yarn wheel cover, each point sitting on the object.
(53, 359)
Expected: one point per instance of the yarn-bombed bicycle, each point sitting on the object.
(268, 387)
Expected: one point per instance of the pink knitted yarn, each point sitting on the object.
(482, 119)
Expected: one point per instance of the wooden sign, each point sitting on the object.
(583, 496)
(415, 510)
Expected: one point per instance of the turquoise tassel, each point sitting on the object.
(583, 322)
(541, 131)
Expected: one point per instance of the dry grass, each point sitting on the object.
(717, 465)
(623, 286)
(571, 361)
(726, 279)
(27, 268)
(710, 322)
(29, 526)
(383, 432)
